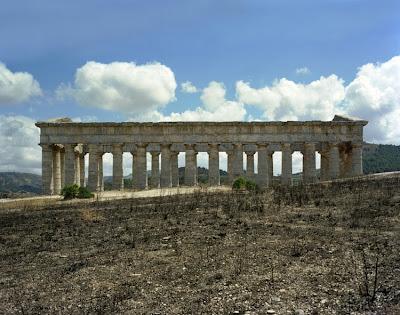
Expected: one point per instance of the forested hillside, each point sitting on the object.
(378, 158)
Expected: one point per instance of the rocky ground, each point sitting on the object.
(280, 252)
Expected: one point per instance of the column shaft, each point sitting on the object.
(56, 171)
(286, 177)
(62, 167)
(155, 169)
(93, 177)
(334, 163)
(77, 177)
(250, 165)
(270, 167)
(100, 182)
(165, 180)
(47, 169)
(118, 177)
(324, 169)
(230, 158)
(174, 169)
(190, 165)
(238, 160)
(82, 169)
(356, 159)
(140, 178)
(213, 165)
(309, 172)
(69, 164)
(262, 167)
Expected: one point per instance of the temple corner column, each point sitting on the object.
(47, 169)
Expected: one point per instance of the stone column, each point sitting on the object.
(133, 169)
(155, 170)
(309, 172)
(93, 178)
(270, 167)
(100, 183)
(118, 177)
(69, 164)
(286, 177)
(47, 169)
(238, 160)
(213, 165)
(174, 169)
(250, 165)
(190, 165)
(229, 166)
(77, 177)
(82, 169)
(140, 178)
(262, 168)
(356, 159)
(56, 170)
(334, 162)
(165, 180)
(324, 169)
(62, 167)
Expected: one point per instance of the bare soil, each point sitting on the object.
(329, 251)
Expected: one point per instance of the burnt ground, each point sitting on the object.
(325, 252)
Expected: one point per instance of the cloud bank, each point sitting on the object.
(17, 87)
(122, 86)
(141, 91)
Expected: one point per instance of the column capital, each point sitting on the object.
(141, 145)
(155, 153)
(46, 146)
(165, 145)
(174, 153)
(69, 146)
(262, 145)
(250, 152)
(190, 146)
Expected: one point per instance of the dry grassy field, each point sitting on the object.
(307, 250)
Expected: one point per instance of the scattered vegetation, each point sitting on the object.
(242, 183)
(75, 191)
(315, 249)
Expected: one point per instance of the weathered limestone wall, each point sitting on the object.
(64, 145)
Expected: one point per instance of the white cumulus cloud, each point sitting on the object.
(215, 107)
(374, 95)
(17, 87)
(288, 100)
(122, 86)
(19, 149)
(188, 87)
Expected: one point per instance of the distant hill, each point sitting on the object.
(13, 184)
(377, 158)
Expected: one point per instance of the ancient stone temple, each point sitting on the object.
(65, 144)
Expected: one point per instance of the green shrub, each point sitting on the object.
(251, 186)
(242, 183)
(70, 191)
(74, 191)
(239, 183)
(85, 193)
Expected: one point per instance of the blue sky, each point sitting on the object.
(240, 56)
